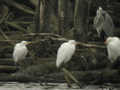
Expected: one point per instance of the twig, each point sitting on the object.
(91, 45)
(43, 34)
(20, 7)
(5, 13)
(4, 35)
(13, 24)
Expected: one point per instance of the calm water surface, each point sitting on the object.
(49, 86)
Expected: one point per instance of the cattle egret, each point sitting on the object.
(113, 48)
(64, 54)
(20, 51)
(103, 23)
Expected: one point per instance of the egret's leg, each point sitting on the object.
(109, 66)
(71, 76)
(67, 80)
(17, 66)
(15, 63)
(98, 31)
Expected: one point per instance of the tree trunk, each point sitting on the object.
(41, 13)
(37, 17)
(80, 20)
(46, 16)
(69, 15)
(62, 14)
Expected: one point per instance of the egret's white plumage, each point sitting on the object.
(20, 51)
(65, 52)
(113, 48)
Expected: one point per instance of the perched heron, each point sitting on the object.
(20, 51)
(103, 23)
(113, 44)
(64, 54)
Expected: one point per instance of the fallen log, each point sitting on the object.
(91, 77)
(7, 61)
(10, 61)
(7, 69)
(20, 78)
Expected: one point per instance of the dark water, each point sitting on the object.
(49, 86)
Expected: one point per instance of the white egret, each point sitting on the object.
(20, 51)
(113, 48)
(64, 54)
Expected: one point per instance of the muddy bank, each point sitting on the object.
(52, 86)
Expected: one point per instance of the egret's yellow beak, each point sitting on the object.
(28, 43)
(105, 42)
(77, 43)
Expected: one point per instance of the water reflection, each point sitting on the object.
(49, 86)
